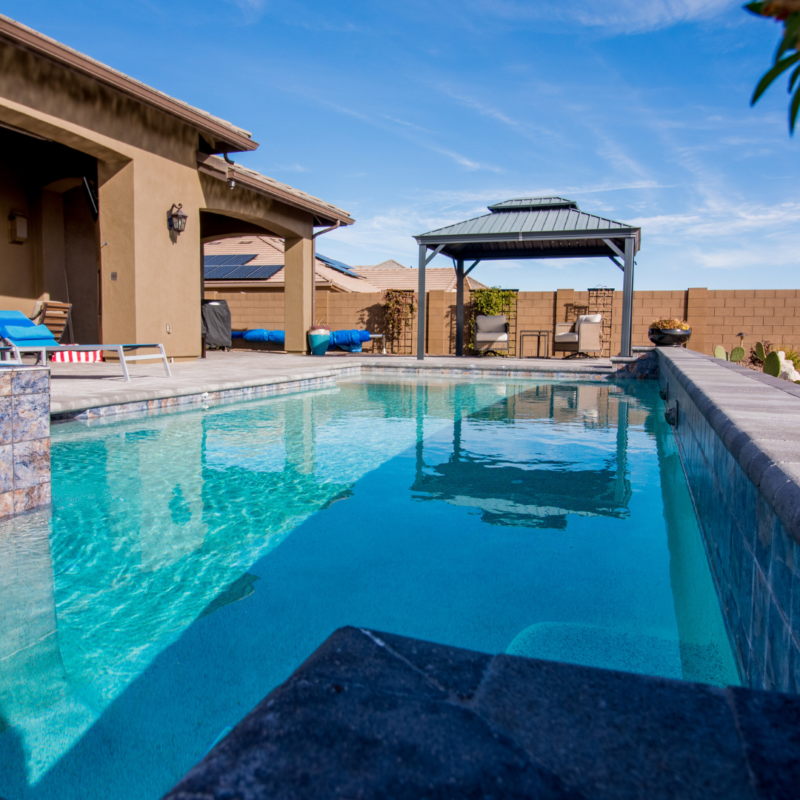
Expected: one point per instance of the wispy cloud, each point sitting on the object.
(529, 130)
(623, 16)
(251, 9)
(722, 220)
(408, 131)
(287, 168)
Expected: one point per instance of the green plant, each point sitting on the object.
(737, 355)
(398, 310)
(772, 364)
(720, 352)
(791, 354)
(787, 12)
(758, 354)
(670, 324)
(490, 303)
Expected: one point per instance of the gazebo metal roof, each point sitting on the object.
(531, 227)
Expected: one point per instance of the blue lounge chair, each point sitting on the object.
(22, 334)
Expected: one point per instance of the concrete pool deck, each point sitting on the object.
(78, 387)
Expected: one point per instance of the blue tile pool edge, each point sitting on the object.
(754, 555)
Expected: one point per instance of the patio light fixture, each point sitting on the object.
(176, 218)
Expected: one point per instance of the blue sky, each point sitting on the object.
(412, 115)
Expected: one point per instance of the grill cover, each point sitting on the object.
(216, 323)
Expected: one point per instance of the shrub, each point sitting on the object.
(670, 323)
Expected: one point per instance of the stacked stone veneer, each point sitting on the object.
(738, 433)
(24, 440)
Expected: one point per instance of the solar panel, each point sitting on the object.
(228, 260)
(240, 272)
(337, 265)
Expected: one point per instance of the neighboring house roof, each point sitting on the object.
(326, 213)
(258, 261)
(265, 258)
(223, 135)
(391, 275)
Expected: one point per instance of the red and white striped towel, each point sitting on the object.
(79, 355)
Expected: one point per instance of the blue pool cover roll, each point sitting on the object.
(261, 335)
(348, 340)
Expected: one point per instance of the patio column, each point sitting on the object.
(118, 263)
(298, 293)
(421, 304)
(460, 307)
(627, 299)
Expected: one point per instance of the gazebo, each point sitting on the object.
(529, 227)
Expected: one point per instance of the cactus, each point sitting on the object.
(737, 354)
(772, 365)
(720, 352)
(761, 353)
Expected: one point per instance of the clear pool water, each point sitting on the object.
(191, 561)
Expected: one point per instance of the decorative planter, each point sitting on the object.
(318, 340)
(669, 337)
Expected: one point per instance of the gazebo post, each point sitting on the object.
(627, 299)
(460, 307)
(421, 305)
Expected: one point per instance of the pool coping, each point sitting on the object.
(132, 401)
(757, 418)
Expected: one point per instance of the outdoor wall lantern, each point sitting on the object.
(176, 218)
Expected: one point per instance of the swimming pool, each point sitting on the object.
(192, 560)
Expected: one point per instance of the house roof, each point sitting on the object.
(391, 275)
(223, 135)
(531, 227)
(267, 251)
(251, 257)
(324, 213)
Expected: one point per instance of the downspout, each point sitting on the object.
(314, 264)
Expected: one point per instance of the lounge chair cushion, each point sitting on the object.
(494, 324)
(588, 318)
(494, 337)
(566, 337)
(33, 332)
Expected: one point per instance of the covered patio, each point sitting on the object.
(529, 228)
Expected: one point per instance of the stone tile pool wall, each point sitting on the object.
(738, 478)
(24, 440)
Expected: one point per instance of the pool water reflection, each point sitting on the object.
(191, 561)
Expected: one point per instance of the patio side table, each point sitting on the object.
(539, 335)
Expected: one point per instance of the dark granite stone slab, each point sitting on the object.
(769, 724)
(372, 715)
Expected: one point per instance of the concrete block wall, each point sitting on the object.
(716, 316)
